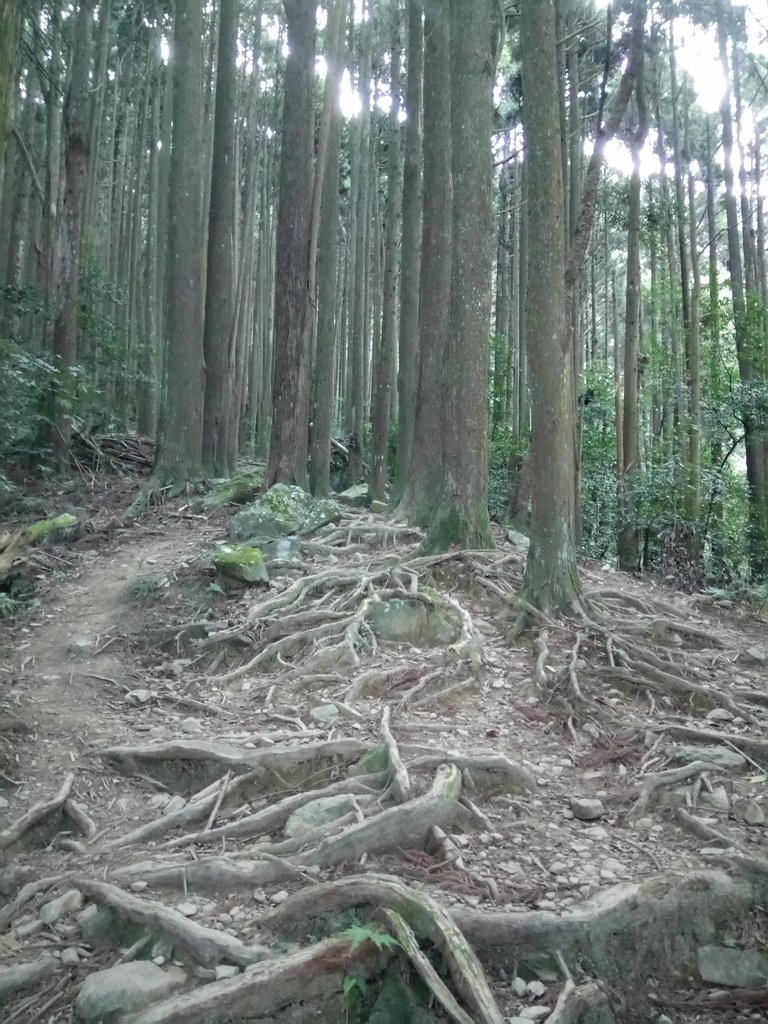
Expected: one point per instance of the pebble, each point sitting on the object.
(720, 715)
(535, 1012)
(753, 813)
(191, 726)
(138, 886)
(597, 832)
(537, 989)
(176, 803)
(614, 866)
(586, 809)
(280, 897)
(225, 919)
(67, 903)
(28, 928)
(187, 909)
(558, 867)
(519, 987)
(3, 803)
(138, 697)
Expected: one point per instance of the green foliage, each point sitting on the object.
(354, 987)
(504, 447)
(598, 462)
(145, 588)
(360, 934)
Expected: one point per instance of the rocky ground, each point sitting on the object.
(352, 791)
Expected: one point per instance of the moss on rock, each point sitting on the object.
(283, 510)
(57, 529)
(242, 562)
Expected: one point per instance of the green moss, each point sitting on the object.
(376, 760)
(237, 490)
(281, 511)
(242, 562)
(48, 529)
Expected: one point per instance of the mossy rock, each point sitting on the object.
(403, 621)
(237, 490)
(375, 760)
(354, 497)
(62, 528)
(280, 548)
(282, 511)
(242, 562)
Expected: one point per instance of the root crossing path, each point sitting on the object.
(356, 794)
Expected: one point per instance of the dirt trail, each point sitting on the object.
(557, 751)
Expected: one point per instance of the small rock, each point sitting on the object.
(176, 803)
(719, 715)
(68, 903)
(724, 757)
(280, 897)
(586, 809)
(736, 968)
(28, 928)
(644, 824)
(717, 799)
(125, 988)
(69, 957)
(535, 1012)
(520, 987)
(592, 730)
(614, 866)
(3, 803)
(138, 886)
(753, 813)
(187, 909)
(225, 919)
(159, 961)
(162, 949)
(596, 832)
(191, 726)
(557, 867)
(138, 697)
(324, 714)
(537, 989)
(226, 971)
(379, 506)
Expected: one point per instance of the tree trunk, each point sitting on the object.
(67, 258)
(425, 478)
(180, 438)
(461, 515)
(290, 376)
(551, 575)
(410, 260)
(10, 19)
(328, 249)
(221, 412)
(381, 398)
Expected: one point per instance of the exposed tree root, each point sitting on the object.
(404, 826)
(650, 783)
(24, 976)
(423, 914)
(36, 814)
(308, 974)
(205, 946)
(401, 783)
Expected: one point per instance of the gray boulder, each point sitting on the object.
(282, 511)
(736, 968)
(125, 989)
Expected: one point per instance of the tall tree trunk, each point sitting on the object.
(220, 411)
(410, 260)
(67, 258)
(425, 478)
(381, 397)
(328, 249)
(461, 515)
(180, 437)
(551, 575)
(290, 376)
(10, 20)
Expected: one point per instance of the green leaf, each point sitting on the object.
(215, 588)
(354, 983)
(359, 934)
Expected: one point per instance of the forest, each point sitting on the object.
(383, 511)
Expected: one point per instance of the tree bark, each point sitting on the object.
(410, 260)
(67, 256)
(180, 437)
(221, 411)
(551, 576)
(290, 376)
